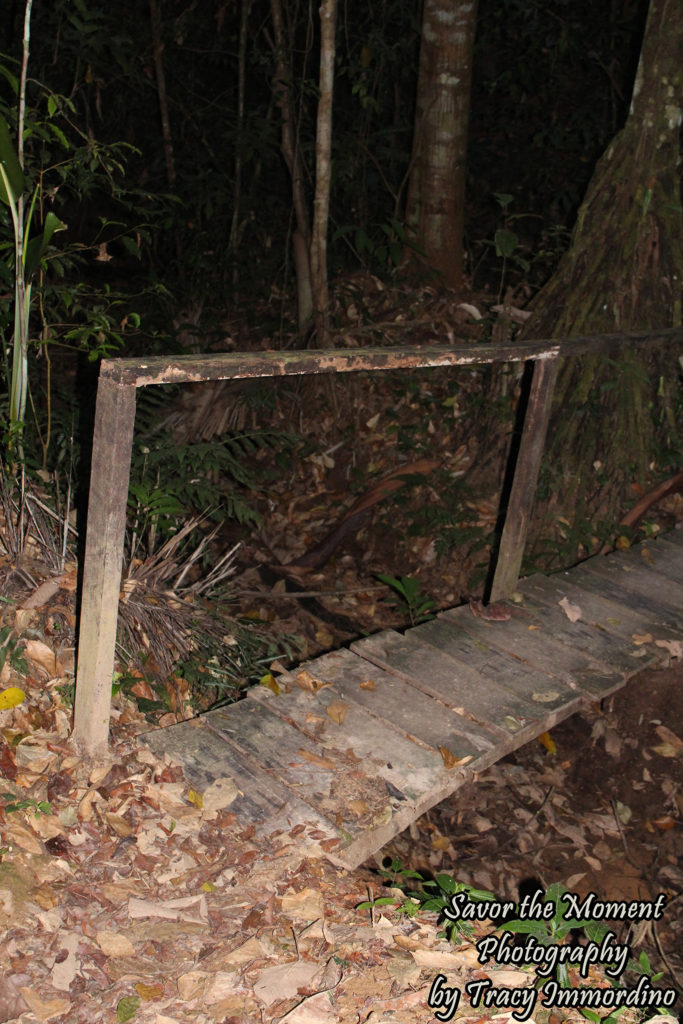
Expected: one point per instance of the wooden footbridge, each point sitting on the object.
(362, 741)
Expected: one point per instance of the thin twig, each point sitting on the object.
(298, 595)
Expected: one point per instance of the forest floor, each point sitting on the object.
(121, 898)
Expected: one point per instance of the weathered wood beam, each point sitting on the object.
(109, 479)
(523, 490)
(231, 365)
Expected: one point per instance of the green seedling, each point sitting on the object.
(409, 598)
(28, 804)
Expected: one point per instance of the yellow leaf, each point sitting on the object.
(548, 742)
(195, 798)
(10, 697)
(368, 684)
(148, 992)
(337, 711)
(622, 543)
(268, 680)
(208, 887)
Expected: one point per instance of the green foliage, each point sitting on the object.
(409, 599)
(12, 650)
(170, 479)
(127, 1008)
(433, 895)
(16, 803)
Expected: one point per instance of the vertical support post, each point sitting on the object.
(523, 490)
(109, 479)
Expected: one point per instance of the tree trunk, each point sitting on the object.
(323, 169)
(623, 271)
(436, 194)
(292, 157)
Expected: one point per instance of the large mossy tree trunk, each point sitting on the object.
(614, 420)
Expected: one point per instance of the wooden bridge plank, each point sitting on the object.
(409, 768)
(419, 715)
(477, 688)
(518, 713)
(207, 757)
(602, 613)
(537, 650)
(659, 616)
(637, 578)
(540, 602)
(451, 633)
(415, 777)
(662, 555)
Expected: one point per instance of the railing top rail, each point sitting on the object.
(232, 365)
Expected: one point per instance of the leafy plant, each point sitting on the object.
(11, 648)
(434, 895)
(26, 804)
(409, 598)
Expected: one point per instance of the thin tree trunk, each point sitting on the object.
(292, 158)
(157, 41)
(436, 194)
(236, 227)
(323, 169)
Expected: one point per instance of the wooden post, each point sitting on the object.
(523, 490)
(109, 479)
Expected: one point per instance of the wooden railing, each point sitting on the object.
(111, 457)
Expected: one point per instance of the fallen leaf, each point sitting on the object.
(44, 657)
(305, 905)
(674, 647)
(449, 758)
(283, 981)
(191, 985)
(664, 823)
(11, 698)
(641, 638)
(572, 611)
(45, 1009)
(321, 762)
(337, 710)
(546, 740)
(219, 794)
(666, 750)
(368, 684)
(306, 681)
(668, 736)
(149, 992)
(114, 944)
(269, 681)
